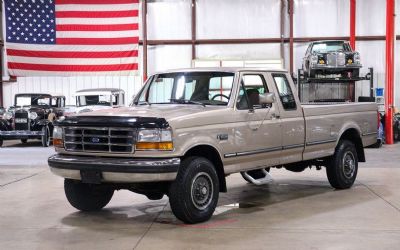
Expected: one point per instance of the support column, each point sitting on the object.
(193, 29)
(389, 88)
(144, 39)
(291, 9)
(353, 24)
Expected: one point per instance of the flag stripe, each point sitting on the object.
(108, 27)
(72, 61)
(98, 41)
(97, 14)
(71, 48)
(100, 7)
(97, 34)
(71, 54)
(96, 21)
(21, 72)
(51, 67)
(95, 1)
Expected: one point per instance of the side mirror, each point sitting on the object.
(267, 98)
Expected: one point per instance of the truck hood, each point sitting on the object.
(166, 111)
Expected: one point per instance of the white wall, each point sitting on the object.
(223, 19)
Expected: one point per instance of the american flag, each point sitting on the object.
(72, 37)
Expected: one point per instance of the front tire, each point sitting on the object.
(193, 196)
(343, 166)
(87, 197)
(46, 136)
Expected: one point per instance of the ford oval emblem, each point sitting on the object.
(95, 140)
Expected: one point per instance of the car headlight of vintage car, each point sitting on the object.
(154, 139)
(7, 115)
(357, 58)
(33, 115)
(58, 137)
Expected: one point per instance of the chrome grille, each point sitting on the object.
(341, 59)
(98, 140)
(331, 59)
(22, 114)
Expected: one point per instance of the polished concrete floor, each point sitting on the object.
(295, 211)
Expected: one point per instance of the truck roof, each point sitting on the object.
(221, 69)
(101, 91)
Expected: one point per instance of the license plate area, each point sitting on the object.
(21, 120)
(91, 176)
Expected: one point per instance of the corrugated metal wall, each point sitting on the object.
(170, 19)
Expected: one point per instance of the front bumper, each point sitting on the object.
(332, 67)
(118, 170)
(19, 134)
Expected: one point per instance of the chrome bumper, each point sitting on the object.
(119, 170)
(19, 133)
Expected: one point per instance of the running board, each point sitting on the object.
(261, 181)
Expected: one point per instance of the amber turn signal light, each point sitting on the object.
(164, 146)
(58, 143)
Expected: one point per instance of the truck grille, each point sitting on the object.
(21, 115)
(97, 140)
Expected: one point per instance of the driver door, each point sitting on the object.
(258, 135)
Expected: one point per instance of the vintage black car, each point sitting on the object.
(331, 57)
(31, 117)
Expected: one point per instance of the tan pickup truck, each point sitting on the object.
(187, 130)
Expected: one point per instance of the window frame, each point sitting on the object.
(284, 76)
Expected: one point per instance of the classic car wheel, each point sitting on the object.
(343, 166)
(256, 174)
(396, 133)
(46, 136)
(24, 140)
(193, 196)
(87, 197)
(1, 142)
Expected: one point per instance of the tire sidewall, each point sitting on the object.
(338, 166)
(182, 190)
(45, 136)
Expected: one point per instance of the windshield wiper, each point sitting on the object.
(186, 101)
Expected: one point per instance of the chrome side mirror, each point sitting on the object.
(267, 98)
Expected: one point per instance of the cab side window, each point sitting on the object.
(285, 93)
(252, 85)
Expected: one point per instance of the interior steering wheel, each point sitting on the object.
(227, 97)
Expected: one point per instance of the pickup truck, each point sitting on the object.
(187, 130)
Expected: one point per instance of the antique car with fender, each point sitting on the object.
(331, 58)
(187, 130)
(31, 117)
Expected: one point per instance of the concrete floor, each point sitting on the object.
(296, 211)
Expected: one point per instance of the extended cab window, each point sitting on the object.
(249, 94)
(285, 93)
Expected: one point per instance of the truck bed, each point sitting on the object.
(324, 123)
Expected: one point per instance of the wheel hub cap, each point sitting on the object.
(202, 190)
(349, 165)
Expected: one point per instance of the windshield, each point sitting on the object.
(35, 100)
(330, 47)
(205, 88)
(102, 100)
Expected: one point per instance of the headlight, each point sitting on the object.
(154, 139)
(357, 58)
(7, 115)
(58, 137)
(33, 115)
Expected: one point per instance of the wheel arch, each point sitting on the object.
(211, 153)
(353, 135)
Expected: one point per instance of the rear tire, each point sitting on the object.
(343, 166)
(87, 197)
(46, 136)
(193, 196)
